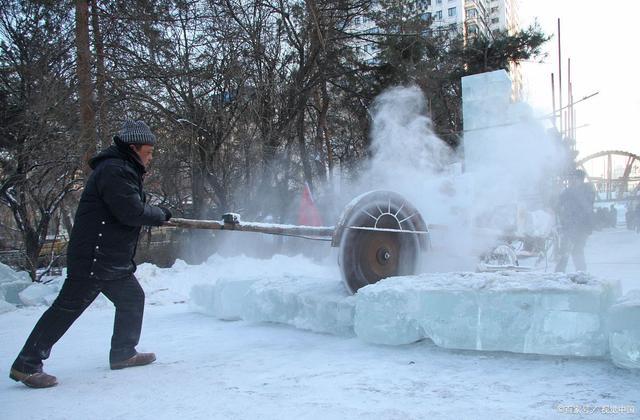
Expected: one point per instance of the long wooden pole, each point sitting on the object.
(268, 228)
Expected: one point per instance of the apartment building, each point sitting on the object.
(472, 16)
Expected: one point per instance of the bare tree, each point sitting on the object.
(37, 162)
(85, 84)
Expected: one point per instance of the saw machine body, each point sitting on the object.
(379, 235)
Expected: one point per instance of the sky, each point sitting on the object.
(600, 38)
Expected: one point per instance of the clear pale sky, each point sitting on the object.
(601, 38)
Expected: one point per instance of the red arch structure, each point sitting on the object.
(614, 173)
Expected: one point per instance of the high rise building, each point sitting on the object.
(472, 18)
(476, 18)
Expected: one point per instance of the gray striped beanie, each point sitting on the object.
(136, 132)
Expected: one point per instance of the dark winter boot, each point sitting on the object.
(34, 380)
(139, 359)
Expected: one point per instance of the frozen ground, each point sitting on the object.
(219, 369)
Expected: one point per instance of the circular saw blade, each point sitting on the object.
(376, 239)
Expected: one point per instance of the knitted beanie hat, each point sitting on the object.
(136, 132)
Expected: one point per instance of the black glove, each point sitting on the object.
(167, 213)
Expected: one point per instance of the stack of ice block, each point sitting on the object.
(521, 312)
(624, 331)
(543, 313)
(316, 304)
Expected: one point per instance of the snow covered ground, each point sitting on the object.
(209, 368)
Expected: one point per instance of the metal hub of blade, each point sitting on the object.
(378, 254)
(383, 255)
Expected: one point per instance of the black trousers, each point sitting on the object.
(75, 296)
(572, 244)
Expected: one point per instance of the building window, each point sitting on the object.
(473, 29)
(452, 11)
(438, 1)
(495, 9)
(471, 13)
(438, 15)
(426, 16)
(495, 20)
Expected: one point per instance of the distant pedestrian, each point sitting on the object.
(613, 216)
(629, 217)
(575, 218)
(102, 246)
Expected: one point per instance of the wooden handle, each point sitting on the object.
(268, 228)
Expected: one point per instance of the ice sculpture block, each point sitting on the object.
(624, 331)
(223, 299)
(543, 313)
(316, 304)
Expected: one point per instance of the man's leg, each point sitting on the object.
(74, 298)
(128, 298)
(563, 254)
(577, 252)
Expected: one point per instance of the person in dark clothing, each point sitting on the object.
(575, 217)
(100, 254)
(613, 216)
(629, 217)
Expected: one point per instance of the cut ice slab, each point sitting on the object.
(624, 331)
(223, 299)
(39, 294)
(12, 283)
(543, 313)
(316, 304)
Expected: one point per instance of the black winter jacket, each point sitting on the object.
(111, 212)
(575, 209)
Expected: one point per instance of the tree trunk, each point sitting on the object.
(102, 129)
(67, 219)
(322, 138)
(197, 181)
(85, 87)
(304, 156)
(32, 250)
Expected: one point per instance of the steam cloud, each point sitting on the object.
(514, 175)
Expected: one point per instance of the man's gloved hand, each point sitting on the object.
(167, 213)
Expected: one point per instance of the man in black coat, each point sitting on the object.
(100, 254)
(575, 217)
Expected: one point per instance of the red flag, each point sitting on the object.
(308, 214)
